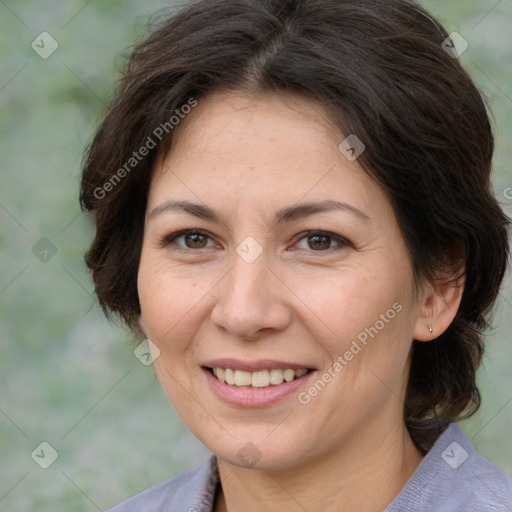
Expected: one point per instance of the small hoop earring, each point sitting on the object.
(430, 330)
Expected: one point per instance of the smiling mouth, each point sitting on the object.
(258, 379)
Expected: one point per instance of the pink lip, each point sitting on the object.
(254, 397)
(253, 366)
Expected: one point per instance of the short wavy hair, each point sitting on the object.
(385, 72)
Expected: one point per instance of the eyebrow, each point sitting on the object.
(287, 214)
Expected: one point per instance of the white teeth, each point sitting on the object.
(259, 379)
(289, 375)
(229, 376)
(276, 376)
(242, 378)
(221, 374)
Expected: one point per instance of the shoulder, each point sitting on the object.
(193, 491)
(454, 478)
(490, 488)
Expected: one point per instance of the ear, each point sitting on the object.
(141, 324)
(439, 305)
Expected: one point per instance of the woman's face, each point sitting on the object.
(277, 277)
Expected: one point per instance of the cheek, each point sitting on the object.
(347, 302)
(169, 308)
(365, 318)
(167, 299)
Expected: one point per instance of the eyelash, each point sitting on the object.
(168, 240)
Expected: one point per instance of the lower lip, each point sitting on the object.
(254, 397)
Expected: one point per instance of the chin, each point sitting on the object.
(252, 451)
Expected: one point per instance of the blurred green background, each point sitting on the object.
(67, 376)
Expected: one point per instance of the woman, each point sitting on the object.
(292, 203)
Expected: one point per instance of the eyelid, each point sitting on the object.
(342, 241)
(168, 239)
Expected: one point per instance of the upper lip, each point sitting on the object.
(254, 366)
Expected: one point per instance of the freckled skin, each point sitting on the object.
(292, 303)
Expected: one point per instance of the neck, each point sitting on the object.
(366, 474)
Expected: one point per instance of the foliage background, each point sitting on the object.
(68, 377)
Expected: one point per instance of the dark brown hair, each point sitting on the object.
(380, 69)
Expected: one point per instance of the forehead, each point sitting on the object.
(234, 121)
(260, 150)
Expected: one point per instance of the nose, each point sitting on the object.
(251, 300)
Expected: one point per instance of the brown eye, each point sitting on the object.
(322, 241)
(192, 239)
(319, 242)
(195, 240)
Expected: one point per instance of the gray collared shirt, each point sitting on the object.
(451, 478)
